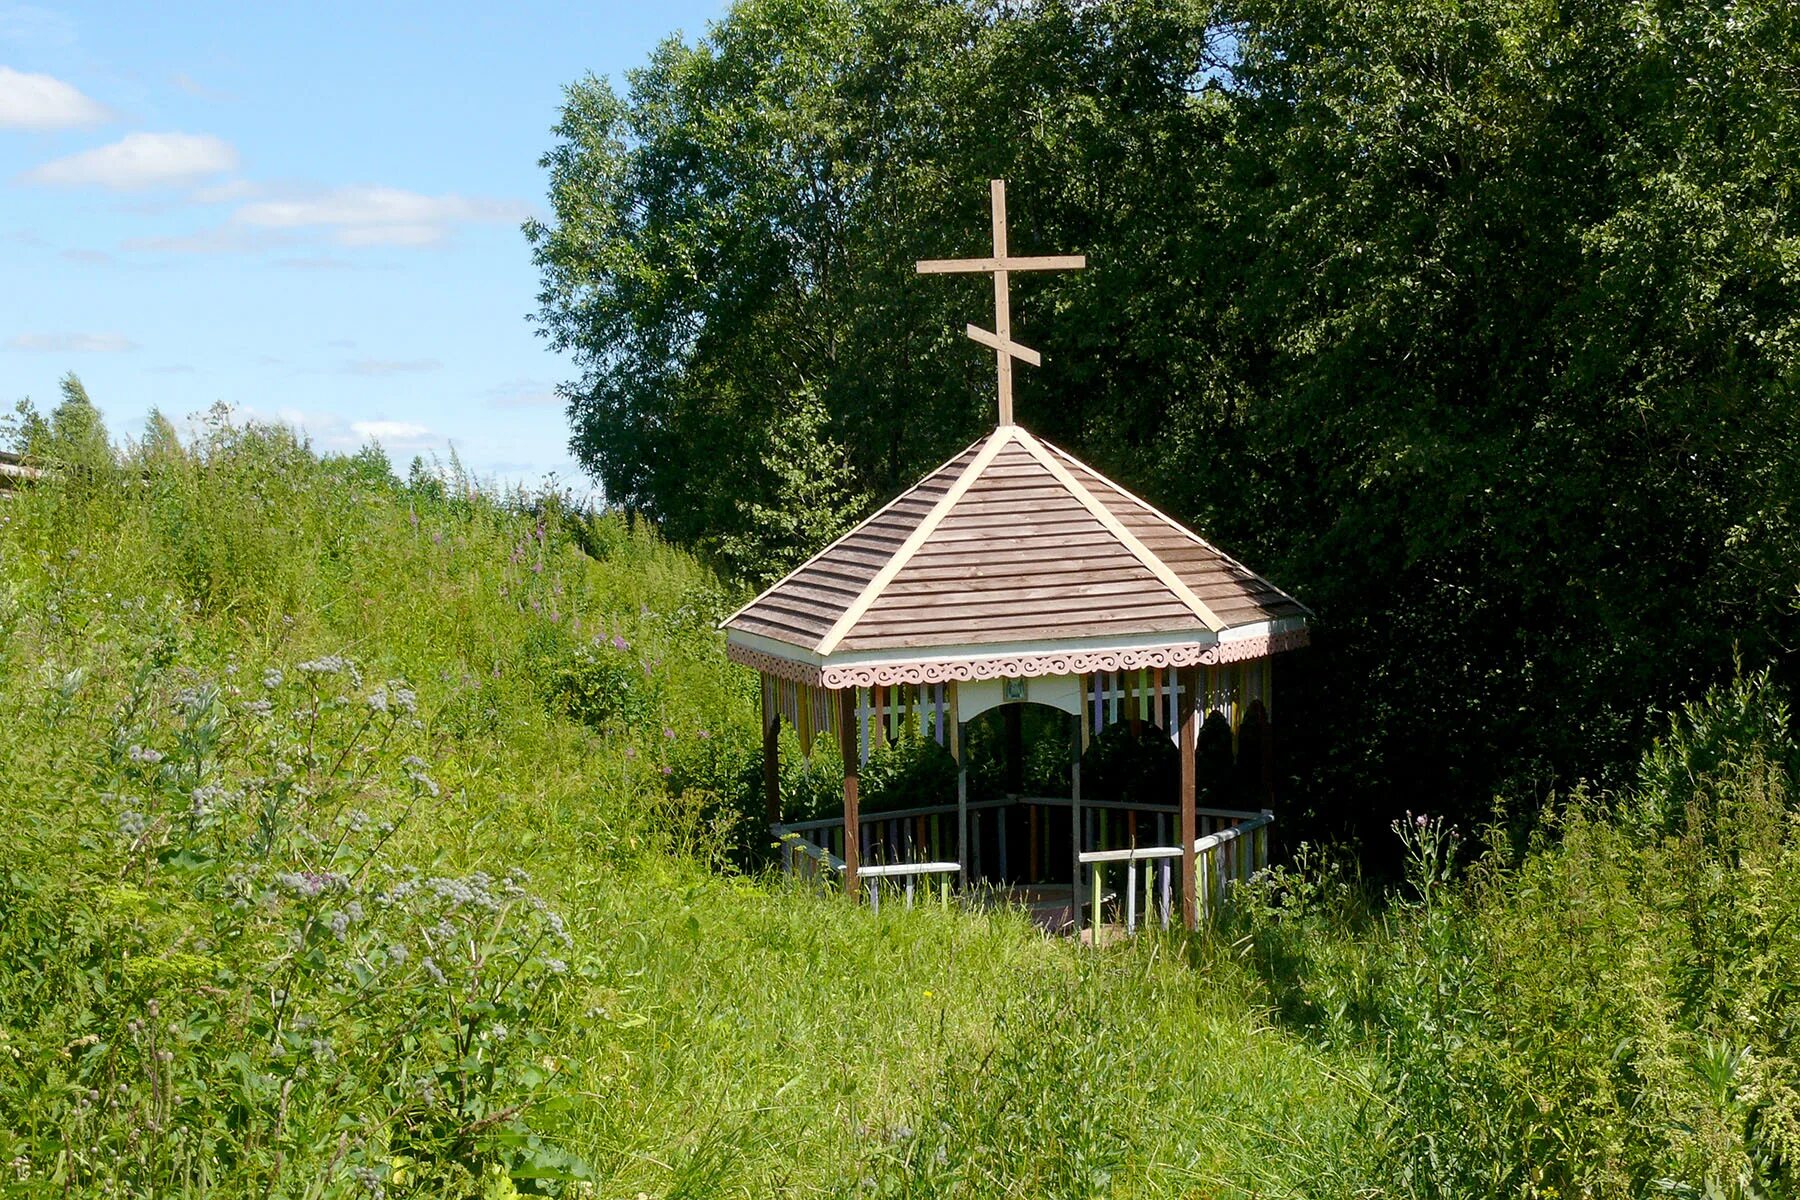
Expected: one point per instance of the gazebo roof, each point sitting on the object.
(1012, 559)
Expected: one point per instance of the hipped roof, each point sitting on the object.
(1013, 558)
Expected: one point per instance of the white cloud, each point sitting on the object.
(42, 102)
(73, 343)
(378, 216)
(390, 431)
(140, 160)
(391, 366)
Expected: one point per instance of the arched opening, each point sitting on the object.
(1130, 788)
(1214, 762)
(1019, 758)
(1252, 776)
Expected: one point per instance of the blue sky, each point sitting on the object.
(309, 212)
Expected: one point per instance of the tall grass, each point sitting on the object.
(1613, 1011)
(375, 839)
(378, 839)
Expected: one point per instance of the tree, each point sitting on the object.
(1472, 322)
(814, 496)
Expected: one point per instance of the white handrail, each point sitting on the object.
(1204, 849)
(893, 870)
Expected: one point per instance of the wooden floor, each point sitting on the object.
(1050, 904)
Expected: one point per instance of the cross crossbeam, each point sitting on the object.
(1000, 266)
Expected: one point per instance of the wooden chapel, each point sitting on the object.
(1015, 574)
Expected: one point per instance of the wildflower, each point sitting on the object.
(271, 679)
(331, 664)
(398, 954)
(322, 1051)
(432, 969)
(631, 752)
(437, 539)
(311, 883)
(703, 735)
(368, 1178)
(667, 732)
(668, 770)
(207, 799)
(145, 755)
(340, 926)
(619, 643)
(537, 568)
(259, 708)
(132, 824)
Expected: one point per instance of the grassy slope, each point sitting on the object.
(714, 1034)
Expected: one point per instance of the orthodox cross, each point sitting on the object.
(1000, 266)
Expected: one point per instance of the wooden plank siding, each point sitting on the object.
(1017, 552)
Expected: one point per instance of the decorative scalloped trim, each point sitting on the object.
(1022, 666)
(769, 664)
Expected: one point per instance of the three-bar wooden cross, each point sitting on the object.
(1000, 265)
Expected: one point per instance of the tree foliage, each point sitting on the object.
(1472, 323)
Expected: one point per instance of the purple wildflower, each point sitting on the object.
(619, 643)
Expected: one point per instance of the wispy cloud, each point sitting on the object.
(221, 239)
(391, 366)
(390, 431)
(524, 393)
(72, 343)
(30, 25)
(140, 160)
(184, 82)
(330, 431)
(378, 216)
(97, 258)
(43, 102)
(228, 192)
(347, 217)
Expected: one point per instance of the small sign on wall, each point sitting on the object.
(1014, 690)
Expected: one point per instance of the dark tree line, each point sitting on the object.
(1474, 323)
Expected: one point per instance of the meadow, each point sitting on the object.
(379, 837)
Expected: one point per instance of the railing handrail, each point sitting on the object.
(1211, 841)
(818, 854)
(941, 810)
(896, 870)
(898, 814)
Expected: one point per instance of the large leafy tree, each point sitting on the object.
(1471, 321)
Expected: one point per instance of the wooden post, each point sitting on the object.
(1190, 738)
(1011, 717)
(771, 759)
(962, 816)
(852, 816)
(1075, 822)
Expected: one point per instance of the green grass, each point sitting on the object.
(181, 1015)
(367, 839)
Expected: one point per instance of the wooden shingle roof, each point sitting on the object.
(1012, 559)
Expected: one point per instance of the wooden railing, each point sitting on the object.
(1227, 855)
(1011, 840)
